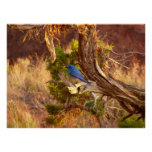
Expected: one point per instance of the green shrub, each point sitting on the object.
(54, 120)
(131, 122)
(54, 117)
(53, 109)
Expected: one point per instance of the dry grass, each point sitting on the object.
(19, 116)
(133, 76)
(27, 93)
(77, 118)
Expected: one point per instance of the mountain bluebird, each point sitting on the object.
(75, 74)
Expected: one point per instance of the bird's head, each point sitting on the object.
(70, 67)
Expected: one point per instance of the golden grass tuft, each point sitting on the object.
(77, 118)
(133, 76)
(19, 116)
(27, 93)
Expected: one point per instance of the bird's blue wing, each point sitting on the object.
(80, 77)
(76, 73)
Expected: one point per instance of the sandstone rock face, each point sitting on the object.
(123, 37)
(16, 48)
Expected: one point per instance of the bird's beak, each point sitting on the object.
(66, 66)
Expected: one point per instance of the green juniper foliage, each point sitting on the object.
(54, 119)
(93, 108)
(59, 65)
(53, 109)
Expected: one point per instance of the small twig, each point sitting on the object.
(118, 63)
(57, 82)
(121, 54)
(64, 79)
(114, 108)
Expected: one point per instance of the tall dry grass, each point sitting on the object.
(19, 116)
(135, 75)
(27, 93)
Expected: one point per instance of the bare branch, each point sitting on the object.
(125, 53)
(118, 63)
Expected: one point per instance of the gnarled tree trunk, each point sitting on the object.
(131, 98)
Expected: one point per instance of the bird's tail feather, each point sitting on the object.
(87, 82)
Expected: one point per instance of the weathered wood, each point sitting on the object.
(131, 98)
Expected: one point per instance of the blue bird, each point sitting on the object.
(75, 74)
